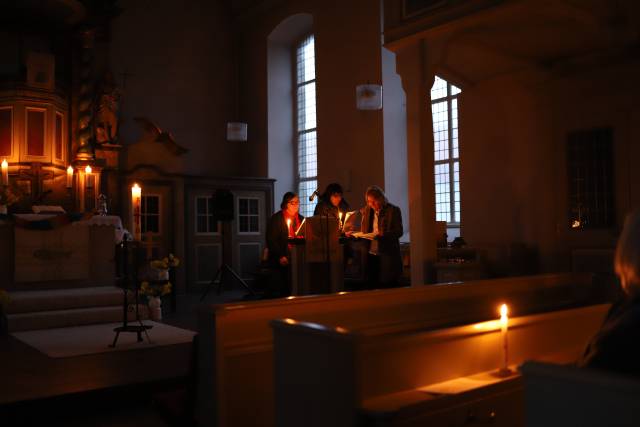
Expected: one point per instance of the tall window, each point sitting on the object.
(444, 106)
(306, 135)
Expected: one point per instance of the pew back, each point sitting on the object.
(563, 395)
(236, 354)
(325, 375)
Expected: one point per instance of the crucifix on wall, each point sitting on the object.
(31, 181)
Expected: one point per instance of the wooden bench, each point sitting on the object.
(568, 396)
(235, 356)
(334, 376)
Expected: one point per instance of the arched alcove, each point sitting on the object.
(281, 98)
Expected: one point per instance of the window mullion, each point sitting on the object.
(452, 202)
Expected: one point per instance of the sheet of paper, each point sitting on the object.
(361, 235)
(460, 385)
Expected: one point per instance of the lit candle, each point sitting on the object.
(504, 326)
(339, 220)
(136, 207)
(289, 227)
(87, 172)
(70, 176)
(5, 172)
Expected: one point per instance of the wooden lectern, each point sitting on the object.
(317, 266)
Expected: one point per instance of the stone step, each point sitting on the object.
(63, 299)
(70, 317)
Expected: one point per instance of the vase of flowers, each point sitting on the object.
(157, 284)
(154, 290)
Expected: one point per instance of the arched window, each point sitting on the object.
(444, 107)
(306, 135)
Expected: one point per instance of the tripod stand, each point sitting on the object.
(225, 268)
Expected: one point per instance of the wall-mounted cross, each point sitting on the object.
(36, 175)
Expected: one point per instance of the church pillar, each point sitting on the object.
(417, 78)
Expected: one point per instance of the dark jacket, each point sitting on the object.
(390, 231)
(616, 346)
(277, 237)
(324, 207)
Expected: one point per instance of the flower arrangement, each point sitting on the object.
(153, 290)
(159, 284)
(167, 262)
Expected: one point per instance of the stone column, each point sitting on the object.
(417, 78)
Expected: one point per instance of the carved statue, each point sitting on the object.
(154, 134)
(108, 104)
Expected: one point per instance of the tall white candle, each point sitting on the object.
(504, 326)
(70, 176)
(289, 233)
(136, 208)
(88, 176)
(5, 172)
(339, 220)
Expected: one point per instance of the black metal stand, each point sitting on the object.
(138, 328)
(220, 274)
(328, 251)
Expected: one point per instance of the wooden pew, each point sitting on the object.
(568, 396)
(334, 376)
(235, 356)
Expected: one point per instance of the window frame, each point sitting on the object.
(296, 114)
(248, 215)
(451, 160)
(143, 215)
(196, 215)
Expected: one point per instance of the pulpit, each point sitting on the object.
(317, 260)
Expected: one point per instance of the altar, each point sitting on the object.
(67, 254)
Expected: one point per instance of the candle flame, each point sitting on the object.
(70, 170)
(4, 164)
(88, 170)
(504, 310)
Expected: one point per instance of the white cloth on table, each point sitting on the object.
(113, 220)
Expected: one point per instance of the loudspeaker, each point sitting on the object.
(223, 205)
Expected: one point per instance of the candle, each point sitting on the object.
(87, 172)
(5, 172)
(70, 176)
(136, 207)
(504, 327)
(289, 227)
(339, 220)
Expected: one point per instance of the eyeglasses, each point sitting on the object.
(294, 203)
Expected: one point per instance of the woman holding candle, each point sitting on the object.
(616, 346)
(282, 225)
(332, 203)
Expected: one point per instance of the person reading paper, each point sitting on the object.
(382, 226)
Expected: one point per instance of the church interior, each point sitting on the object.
(165, 258)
